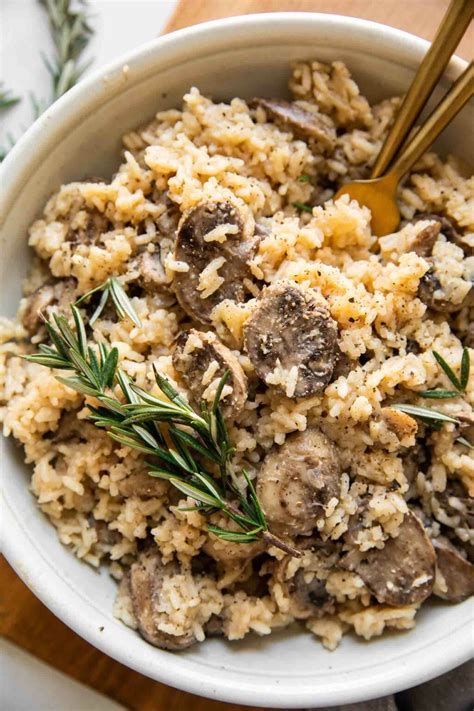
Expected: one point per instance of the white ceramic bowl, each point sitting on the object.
(80, 136)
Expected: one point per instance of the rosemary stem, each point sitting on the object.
(273, 540)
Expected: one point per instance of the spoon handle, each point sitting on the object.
(451, 29)
(459, 94)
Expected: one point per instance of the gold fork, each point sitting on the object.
(379, 193)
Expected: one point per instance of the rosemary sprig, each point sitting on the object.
(435, 418)
(459, 383)
(111, 288)
(70, 31)
(176, 438)
(7, 99)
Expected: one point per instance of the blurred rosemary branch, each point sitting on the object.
(71, 31)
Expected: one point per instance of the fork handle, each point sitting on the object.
(451, 29)
(459, 94)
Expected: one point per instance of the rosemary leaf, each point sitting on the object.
(195, 444)
(465, 368)
(448, 370)
(7, 99)
(234, 536)
(304, 179)
(109, 367)
(303, 207)
(438, 394)
(464, 441)
(424, 413)
(122, 302)
(194, 493)
(146, 436)
(78, 384)
(100, 306)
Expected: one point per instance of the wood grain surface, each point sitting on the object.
(23, 618)
(420, 17)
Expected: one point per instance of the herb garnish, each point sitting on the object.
(304, 179)
(7, 99)
(70, 31)
(303, 207)
(435, 418)
(459, 383)
(113, 288)
(155, 427)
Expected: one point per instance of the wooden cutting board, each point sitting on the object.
(23, 619)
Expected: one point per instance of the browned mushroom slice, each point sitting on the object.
(60, 294)
(200, 358)
(456, 502)
(306, 590)
(299, 118)
(35, 305)
(424, 241)
(457, 572)
(147, 576)
(449, 229)
(105, 535)
(291, 331)
(403, 571)
(296, 482)
(231, 553)
(143, 485)
(208, 232)
(167, 222)
(151, 275)
(430, 291)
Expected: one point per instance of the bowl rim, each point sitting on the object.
(23, 553)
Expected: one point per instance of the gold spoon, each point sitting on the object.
(380, 194)
(451, 28)
(380, 197)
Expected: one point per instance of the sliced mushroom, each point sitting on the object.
(297, 480)
(457, 572)
(448, 228)
(301, 119)
(195, 246)
(60, 294)
(200, 358)
(403, 571)
(424, 241)
(456, 502)
(147, 576)
(151, 275)
(214, 627)
(167, 222)
(35, 305)
(105, 535)
(291, 329)
(143, 485)
(414, 460)
(306, 589)
(228, 552)
(430, 291)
